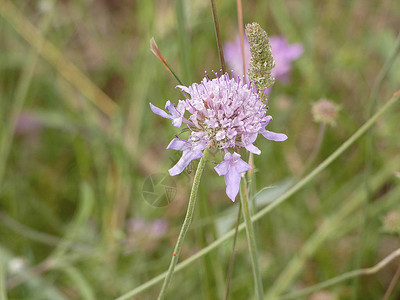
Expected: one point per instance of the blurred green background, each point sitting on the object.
(78, 142)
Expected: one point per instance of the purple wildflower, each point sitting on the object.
(225, 113)
(28, 124)
(231, 168)
(144, 233)
(282, 51)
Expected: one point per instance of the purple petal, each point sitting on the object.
(160, 112)
(176, 116)
(177, 122)
(183, 88)
(222, 168)
(187, 156)
(232, 181)
(295, 51)
(273, 136)
(170, 108)
(241, 166)
(178, 144)
(253, 149)
(231, 167)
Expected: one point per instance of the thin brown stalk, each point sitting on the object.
(217, 35)
(392, 284)
(241, 34)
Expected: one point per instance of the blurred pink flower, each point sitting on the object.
(282, 51)
(28, 125)
(145, 233)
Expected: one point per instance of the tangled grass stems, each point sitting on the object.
(7, 132)
(369, 146)
(350, 141)
(352, 274)
(327, 229)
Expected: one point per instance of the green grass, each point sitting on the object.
(86, 74)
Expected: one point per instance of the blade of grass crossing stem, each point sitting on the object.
(212, 263)
(251, 240)
(296, 187)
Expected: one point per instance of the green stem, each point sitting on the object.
(3, 291)
(185, 226)
(350, 141)
(230, 268)
(251, 239)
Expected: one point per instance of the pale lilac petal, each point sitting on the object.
(232, 181)
(177, 122)
(183, 88)
(176, 116)
(178, 144)
(273, 136)
(253, 149)
(160, 112)
(187, 156)
(222, 168)
(231, 168)
(170, 108)
(241, 166)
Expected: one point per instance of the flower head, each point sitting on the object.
(282, 52)
(225, 113)
(391, 222)
(325, 111)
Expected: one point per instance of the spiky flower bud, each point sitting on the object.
(262, 61)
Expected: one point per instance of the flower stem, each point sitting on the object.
(251, 240)
(241, 34)
(216, 27)
(185, 226)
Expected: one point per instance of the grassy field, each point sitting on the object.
(80, 152)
